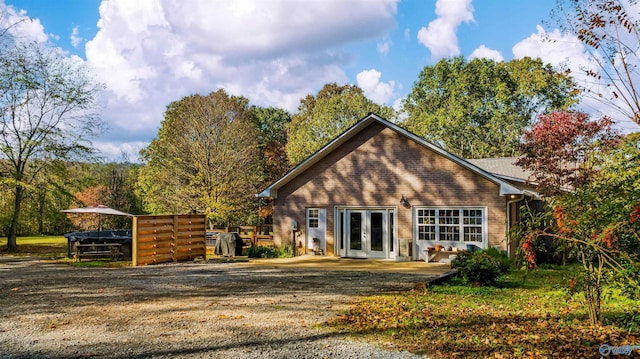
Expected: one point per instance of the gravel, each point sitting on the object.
(185, 310)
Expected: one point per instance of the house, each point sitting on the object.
(380, 191)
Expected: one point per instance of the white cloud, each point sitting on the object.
(384, 47)
(20, 26)
(440, 35)
(378, 92)
(565, 52)
(553, 47)
(151, 53)
(487, 53)
(75, 38)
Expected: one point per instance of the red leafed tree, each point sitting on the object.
(567, 152)
(562, 149)
(90, 196)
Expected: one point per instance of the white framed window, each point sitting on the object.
(314, 217)
(451, 224)
(427, 224)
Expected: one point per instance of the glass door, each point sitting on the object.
(367, 235)
(377, 234)
(356, 234)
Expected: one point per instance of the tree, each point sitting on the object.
(609, 29)
(46, 104)
(320, 119)
(204, 159)
(562, 150)
(571, 157)
(479, 108)
(272, 137)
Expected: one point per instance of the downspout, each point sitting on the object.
(509, 203)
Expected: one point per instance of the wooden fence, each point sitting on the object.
(168, 238)
(261, 235)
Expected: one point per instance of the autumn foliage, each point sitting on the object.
(591, 180)
(90, 196)
(562, 149)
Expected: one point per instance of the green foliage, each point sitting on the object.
(599, 217)
(481, 267)
(205, 159)
(534, 248)
(47, 115)
(272, 138)
(322, 118)
(479, 108)
(269, 252)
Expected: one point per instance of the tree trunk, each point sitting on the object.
(11, 236)
(593, 285)
(41, 204)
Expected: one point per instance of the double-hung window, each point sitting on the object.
(451, 224)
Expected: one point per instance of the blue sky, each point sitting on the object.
(150, 53)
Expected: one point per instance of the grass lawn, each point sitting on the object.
(529, 315)
(53, 247)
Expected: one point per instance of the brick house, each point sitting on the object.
(380, 191)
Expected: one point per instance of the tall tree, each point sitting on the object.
(610, 31)
(479, 108)
(205, 159)
(46, 104)
(568, 155)
(323, 117)
(272, 137)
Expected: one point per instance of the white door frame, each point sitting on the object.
(317, 229)
(386, 228)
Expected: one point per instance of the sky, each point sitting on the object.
(150, 53)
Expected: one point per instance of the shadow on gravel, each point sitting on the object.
(33, 285)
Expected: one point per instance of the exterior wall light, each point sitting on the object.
(404, 202)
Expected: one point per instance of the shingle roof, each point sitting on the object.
(503, 167)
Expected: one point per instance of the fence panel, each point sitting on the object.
(168, 238)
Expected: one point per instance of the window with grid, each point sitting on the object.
(314, 215)
(472, 220)
(451, 224)
(427, 224)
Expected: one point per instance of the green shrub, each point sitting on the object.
(502, 257)
(261, 252)
(481, 267)
(268, 252)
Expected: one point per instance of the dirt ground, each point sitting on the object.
(188, 310)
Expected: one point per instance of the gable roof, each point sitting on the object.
(272, 190)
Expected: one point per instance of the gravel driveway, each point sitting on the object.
(187, 310)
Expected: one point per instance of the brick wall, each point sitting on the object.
(376, 168)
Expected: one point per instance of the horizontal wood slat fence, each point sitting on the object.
(168, 238)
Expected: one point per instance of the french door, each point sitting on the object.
(367, 234)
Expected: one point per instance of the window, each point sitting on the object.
(427, 224)
(451, 224)
(472, 220)
(314, 215)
